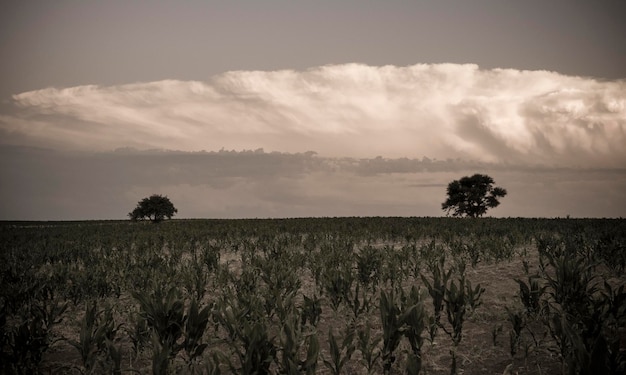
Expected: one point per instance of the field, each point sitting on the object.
(314, 296)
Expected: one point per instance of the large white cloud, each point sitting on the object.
(440, 110)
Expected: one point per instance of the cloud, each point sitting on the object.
(42, 184)
(353, 110)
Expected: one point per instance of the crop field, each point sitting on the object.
(314, 296)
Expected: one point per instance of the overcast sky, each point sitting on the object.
(353, 107)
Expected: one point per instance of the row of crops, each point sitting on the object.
(312, 296)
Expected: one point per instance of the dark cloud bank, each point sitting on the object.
(42, 184)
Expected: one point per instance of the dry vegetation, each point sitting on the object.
(315, 296)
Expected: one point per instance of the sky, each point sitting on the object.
(278, 108)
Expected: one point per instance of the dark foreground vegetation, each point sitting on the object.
(313, 296)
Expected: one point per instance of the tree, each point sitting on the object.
(155, 208)
(472, 196)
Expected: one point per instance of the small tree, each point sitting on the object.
(472, 196)
(155, 208)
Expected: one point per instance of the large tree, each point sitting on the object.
(472, 196)
(155, 208)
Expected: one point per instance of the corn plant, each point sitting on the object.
(585, 332)
(114, 360)
(248, 336)
(48, 308)
(573, 283)
(613, 301)
(368, 346)
(414, 319)
(515, 334)
(430, 252)
(612, 250)
(196, 321)
(258, 349)
(164, 315)
(280, 282)
(340, 353)
(469, 248)
(437, 290)
(369, 265)
(459, 300)
(32, 336)
(392, 325)
(210, 257)
(162, 355)
(337, 286)
(27, 342)
(311, 310)
(247, 284)
(138, 333)
(96, 341)
(358, 302)
(279, 304)
(195, 279)
(279, 273)
(531, 294)
(397, 266)
(293, 342)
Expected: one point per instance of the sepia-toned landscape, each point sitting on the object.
(269, 187)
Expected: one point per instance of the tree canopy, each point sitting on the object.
(472, 196)
(155, 208)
